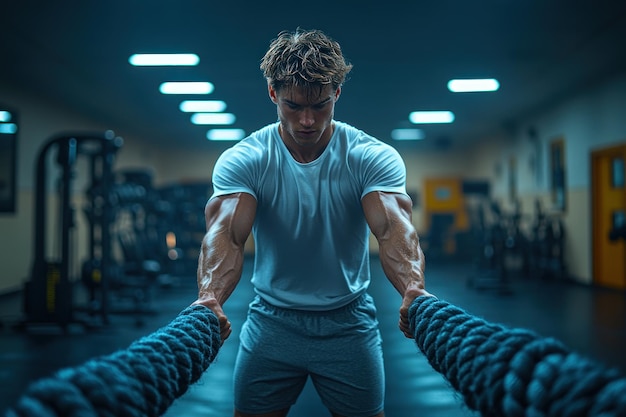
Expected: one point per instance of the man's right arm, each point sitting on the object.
(229, 222)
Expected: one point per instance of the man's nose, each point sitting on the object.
(306, 118)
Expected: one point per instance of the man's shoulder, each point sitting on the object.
(261, 138)
(357, 136)
(362, 143)
(347, 130)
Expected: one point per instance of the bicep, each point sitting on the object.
(385, 212)
(231, 216)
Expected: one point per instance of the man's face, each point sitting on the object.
(305, 114)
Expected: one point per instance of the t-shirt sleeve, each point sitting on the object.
(383, 170)
(234, 173)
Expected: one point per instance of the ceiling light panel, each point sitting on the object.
(407, 134)
(8, 128)
(186, 87)
(225, 134)
(473, 85)
(425, 117)
(213, 118)
(141, 60)
(201, 106)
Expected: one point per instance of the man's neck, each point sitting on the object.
(306, 154)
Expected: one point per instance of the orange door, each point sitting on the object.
(444, 202)
(609, 213)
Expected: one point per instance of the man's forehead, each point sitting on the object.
(307, 95)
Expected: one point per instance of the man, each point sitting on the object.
(310, 189)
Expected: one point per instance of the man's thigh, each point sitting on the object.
(349, 371)
(340, 349)
(269, 371)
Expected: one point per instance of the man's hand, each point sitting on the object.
(211, 303)
(411, 293)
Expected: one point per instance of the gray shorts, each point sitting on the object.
(341, 350)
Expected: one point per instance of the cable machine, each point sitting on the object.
(49, 294)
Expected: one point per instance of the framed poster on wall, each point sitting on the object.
(557, 174)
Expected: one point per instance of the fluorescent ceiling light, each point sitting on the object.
(195, 106)
(407, 134)
(473, 85)
(419, 117)
(225, 134)
(213, 118)
(8, 128)
(141, 60)
(186, 87)
(5, 116)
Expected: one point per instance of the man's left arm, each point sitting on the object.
(389, 217)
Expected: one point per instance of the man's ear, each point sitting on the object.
(337, 93)
(272, 93)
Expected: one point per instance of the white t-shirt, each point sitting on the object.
(311, 237)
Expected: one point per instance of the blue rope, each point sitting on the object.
(499, 371)
(143, 380)
(502, 371)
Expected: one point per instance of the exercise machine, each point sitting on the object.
(500, 240)
(49, 296)
(547, 245)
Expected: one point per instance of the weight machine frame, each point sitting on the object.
(48, 295)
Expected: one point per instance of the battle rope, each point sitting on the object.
(501, 371)
(143, 380)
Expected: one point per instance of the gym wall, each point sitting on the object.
(586, 120)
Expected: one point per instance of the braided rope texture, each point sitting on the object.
(503, 371)
(142, 380)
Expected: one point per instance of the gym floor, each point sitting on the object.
(590, 321)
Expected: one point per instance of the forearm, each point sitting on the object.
(219, 267)
(402, 258)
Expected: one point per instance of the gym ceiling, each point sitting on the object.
(74, 54)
